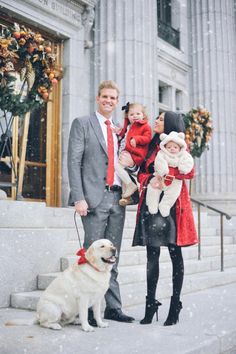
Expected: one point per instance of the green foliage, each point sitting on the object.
(11, 102)
(26, 60)
(199, 130)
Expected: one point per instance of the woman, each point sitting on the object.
(174, 231)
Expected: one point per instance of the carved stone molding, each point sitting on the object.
(68, 11)
(87, 21)
(91, 3)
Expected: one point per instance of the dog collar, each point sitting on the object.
(83, 259)
(81, 254)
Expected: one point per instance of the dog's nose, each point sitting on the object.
(113, 250)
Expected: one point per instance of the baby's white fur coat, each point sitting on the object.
(164, 159)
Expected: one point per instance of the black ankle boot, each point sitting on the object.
(173, 315)
(150, 309)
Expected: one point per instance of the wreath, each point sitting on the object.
(28, 70)
(199, 128)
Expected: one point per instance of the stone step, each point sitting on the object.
(73, 244)
(45, 220)
(38, 207)
(215, 240)
(208, 237)
(213, 220)
(205, 231)
(39, 251)
(20, 214)
(129, 233)
(27, 300)
(26, 226)
(127, 258)
(134, 295)
(137, 255)
(205, 249)
(36, 214)
(137, 273)
(134, 274)
(19, 236)
(188, 252)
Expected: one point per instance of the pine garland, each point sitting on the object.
(199, 128)
(27, 54)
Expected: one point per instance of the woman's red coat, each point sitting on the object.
(185, 227)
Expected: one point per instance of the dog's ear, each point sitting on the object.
(90, 254)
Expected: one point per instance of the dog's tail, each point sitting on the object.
(22, 322)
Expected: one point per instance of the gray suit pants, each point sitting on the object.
(107, 221)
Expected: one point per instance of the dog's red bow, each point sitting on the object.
(81, 254)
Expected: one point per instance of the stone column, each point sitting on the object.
(125, 50)
(213, 81)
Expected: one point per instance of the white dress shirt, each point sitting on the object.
(103, 126)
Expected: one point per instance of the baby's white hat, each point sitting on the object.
(178, 138)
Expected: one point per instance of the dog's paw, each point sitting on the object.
(102, 324)
(87, 328)
(55, 326)
(76, 321)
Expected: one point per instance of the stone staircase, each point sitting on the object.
(47, 227)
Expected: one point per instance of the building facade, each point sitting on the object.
(169, 55)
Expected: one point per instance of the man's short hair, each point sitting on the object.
(108, 84)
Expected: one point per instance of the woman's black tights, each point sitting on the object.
(153, 254)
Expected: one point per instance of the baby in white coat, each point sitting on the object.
(172, 156)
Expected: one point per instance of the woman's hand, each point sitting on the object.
(157, 182)
(125, 159)
(133, 142)
(116, 129)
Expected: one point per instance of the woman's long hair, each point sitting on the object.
(172, 122)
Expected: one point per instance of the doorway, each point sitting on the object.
(42, 159)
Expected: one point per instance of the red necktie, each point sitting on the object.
(110, 151)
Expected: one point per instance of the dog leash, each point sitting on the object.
(77, 229)
(81, 252)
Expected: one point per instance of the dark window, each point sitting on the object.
(161, 93)
(165, 29)
(164, 11)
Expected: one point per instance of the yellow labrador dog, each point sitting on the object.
(79, 287)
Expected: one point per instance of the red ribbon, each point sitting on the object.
(81, 254)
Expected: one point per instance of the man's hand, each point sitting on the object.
(125, 159)
(157, 182)
(81, 207)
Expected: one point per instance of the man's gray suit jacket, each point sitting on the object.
(87, 161)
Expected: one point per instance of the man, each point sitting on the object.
(95, 187)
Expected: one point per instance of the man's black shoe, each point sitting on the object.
(117, 315)
(91, 319)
